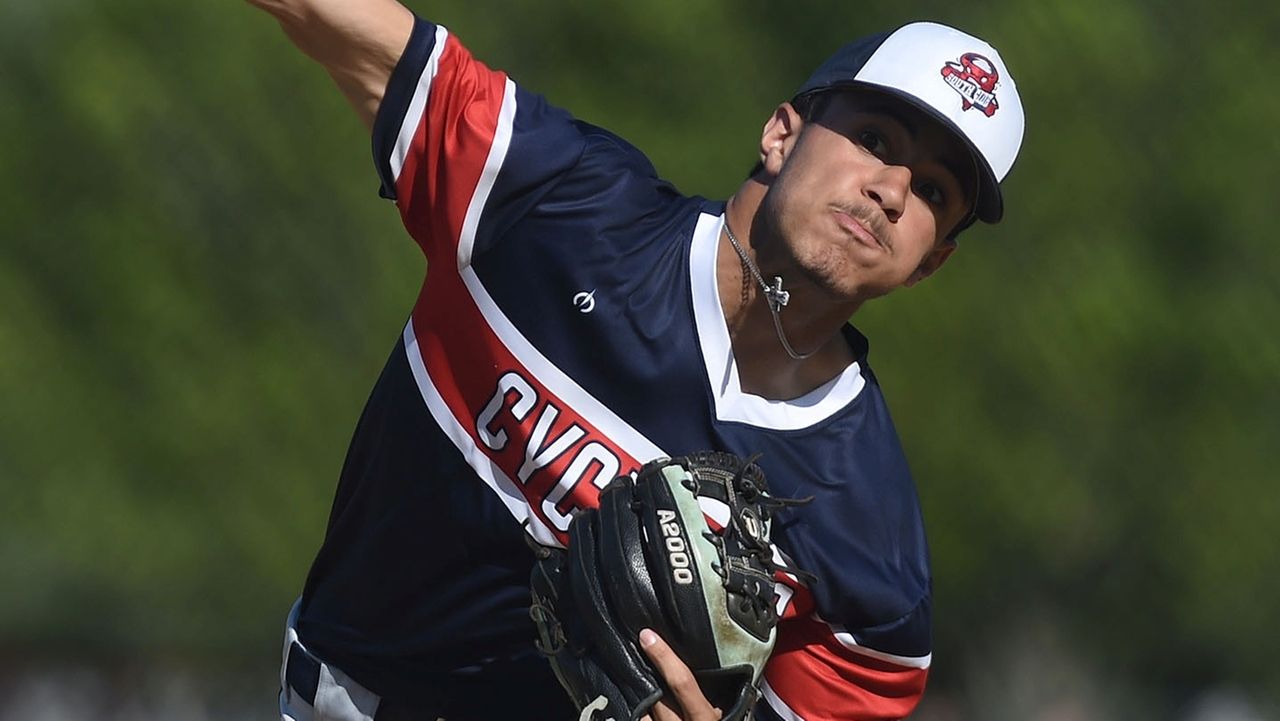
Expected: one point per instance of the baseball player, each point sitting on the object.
(580, 316)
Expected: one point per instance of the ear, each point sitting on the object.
(932, 262)
(777, 137)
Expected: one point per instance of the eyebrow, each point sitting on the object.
(893, 112)
(947, 160)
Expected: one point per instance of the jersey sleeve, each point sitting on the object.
(461, 149)
(821, 671)
(856, 644)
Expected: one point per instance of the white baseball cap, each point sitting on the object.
(953, 77)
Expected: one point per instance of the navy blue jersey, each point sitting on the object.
(569, 329)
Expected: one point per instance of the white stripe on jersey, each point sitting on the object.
(732, 404)
(417, 105)
(507, 491)
(847, 640)
(777, 704)
(492, 164)
(555, 380)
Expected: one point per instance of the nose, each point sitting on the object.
(889, 188)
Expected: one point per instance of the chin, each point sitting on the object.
(834, 278)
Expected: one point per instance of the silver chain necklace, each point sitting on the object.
(776, 298)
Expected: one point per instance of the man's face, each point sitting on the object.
(864, 194)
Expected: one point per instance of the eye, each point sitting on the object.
(932, 193)
(872, 140)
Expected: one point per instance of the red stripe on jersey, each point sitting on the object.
(821, 680)
(548, 449)
(449, 149)
(557, 458)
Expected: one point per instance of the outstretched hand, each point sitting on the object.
(689, 704)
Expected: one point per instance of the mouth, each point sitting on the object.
(859, 230)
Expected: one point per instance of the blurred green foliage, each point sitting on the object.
(199, 284)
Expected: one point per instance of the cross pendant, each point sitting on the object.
(776, 296)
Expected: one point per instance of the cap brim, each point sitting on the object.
(988, 206)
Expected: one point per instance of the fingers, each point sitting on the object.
(689, 704)
(661, 712)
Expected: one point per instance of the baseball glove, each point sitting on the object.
(647, 558)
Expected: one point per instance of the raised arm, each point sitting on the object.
(357, 41)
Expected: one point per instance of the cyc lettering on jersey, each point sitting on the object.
(593, 460)
(526, 398)
(515, 417)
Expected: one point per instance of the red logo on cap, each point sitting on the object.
(975, 78)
